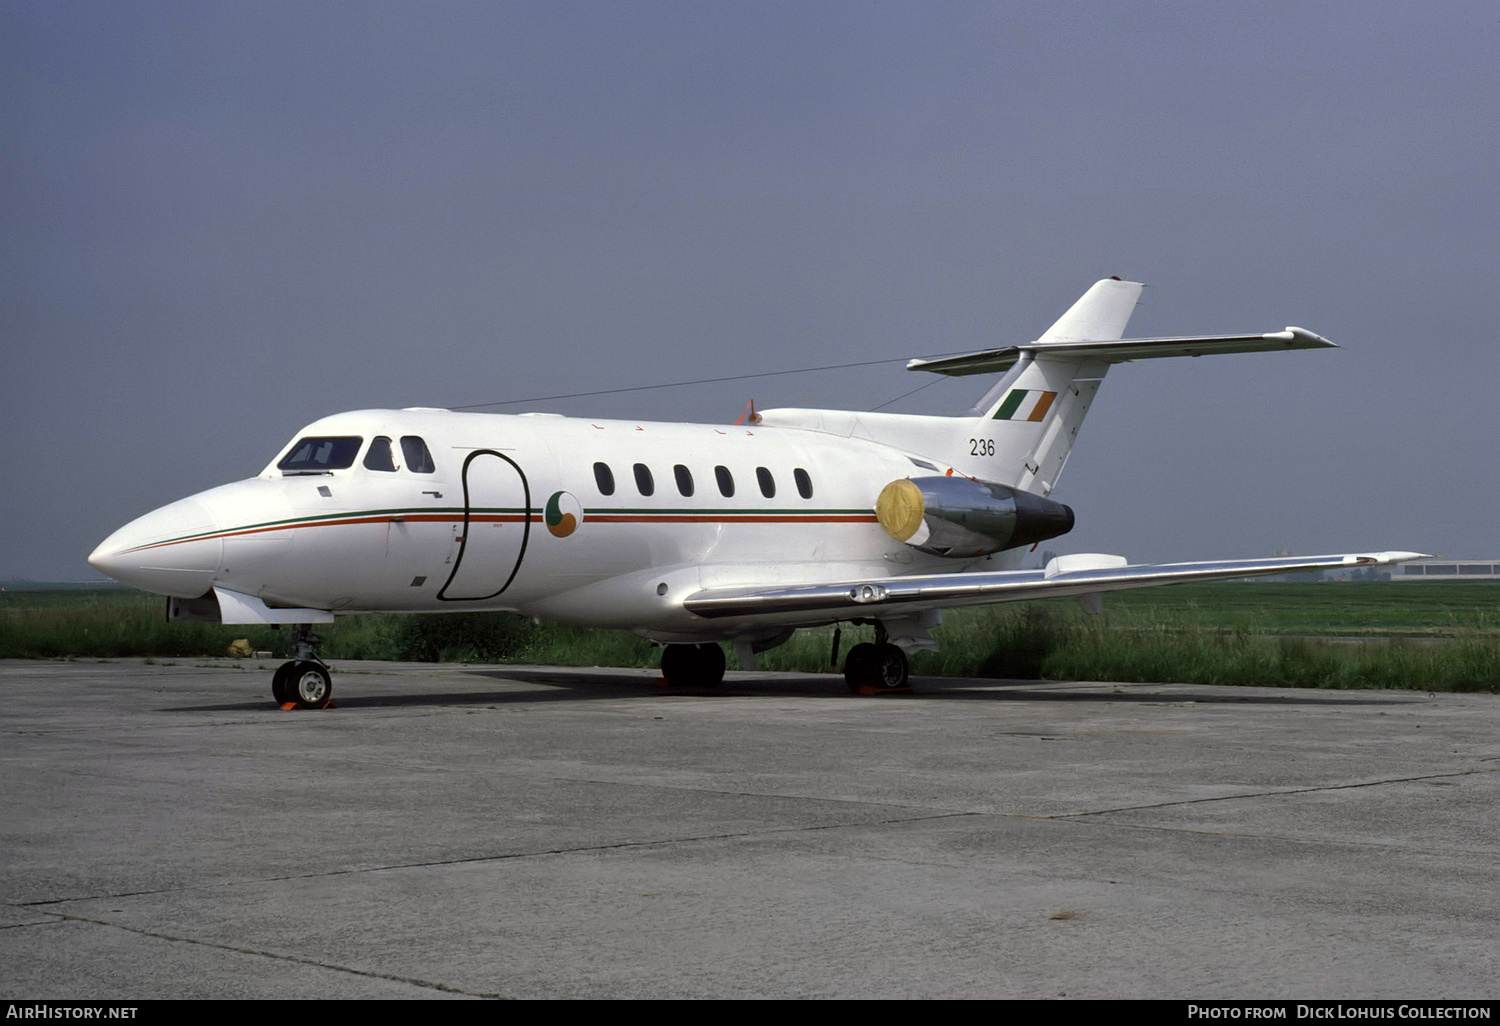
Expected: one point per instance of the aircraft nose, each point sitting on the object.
(174, 550)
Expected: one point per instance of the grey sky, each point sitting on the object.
(220, 221)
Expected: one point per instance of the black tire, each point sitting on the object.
(309, 685)
(891, 670)
(693, 666)
(711, 663)
(876, 667)
(676, 664)
(859, 667)
(281, 684)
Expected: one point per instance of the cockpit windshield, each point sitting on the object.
(320, 455)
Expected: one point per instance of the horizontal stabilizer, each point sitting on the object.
(993, 361)
(884, 597)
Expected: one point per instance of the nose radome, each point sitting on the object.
(174, 550)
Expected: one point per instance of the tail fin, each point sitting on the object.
(1025, 426)
(1027, 422)
(1034, 420)
(1100, 313)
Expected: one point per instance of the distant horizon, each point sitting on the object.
(25, 583)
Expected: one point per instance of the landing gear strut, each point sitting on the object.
(697, 666)
(306, 681)
(876, 669)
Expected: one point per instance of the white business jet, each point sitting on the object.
(687, 534)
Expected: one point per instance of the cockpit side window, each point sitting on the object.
(379, 455)
(418, 457)
(320, 455)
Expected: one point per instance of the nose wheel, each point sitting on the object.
(305, 682)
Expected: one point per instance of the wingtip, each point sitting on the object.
(1392, 557)
(1306, 339)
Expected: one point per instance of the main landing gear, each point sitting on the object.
(875, 669)
(695, 666)
(306, 682)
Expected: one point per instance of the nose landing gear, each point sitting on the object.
(306, 682)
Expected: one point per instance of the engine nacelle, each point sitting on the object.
(962, 518)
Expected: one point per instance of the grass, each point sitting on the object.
(1441, 636)
(113, 622)
(1040, 643)
(1356, 608)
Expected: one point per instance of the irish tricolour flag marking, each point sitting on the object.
(1025, 404)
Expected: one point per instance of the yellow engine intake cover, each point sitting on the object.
(900, 509)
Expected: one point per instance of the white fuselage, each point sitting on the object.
(602, 523)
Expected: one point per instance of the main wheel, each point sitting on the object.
(870, 667)
(694, 666)
(281, 684)
(859, 666)
(891, 671)
(711, 664)
(676, 663)
(309, 685)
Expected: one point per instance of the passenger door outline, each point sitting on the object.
(476, 548)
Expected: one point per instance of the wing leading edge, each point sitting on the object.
(1066, 576)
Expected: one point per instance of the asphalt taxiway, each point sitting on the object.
(537, 832)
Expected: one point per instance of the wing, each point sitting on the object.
(886, 597)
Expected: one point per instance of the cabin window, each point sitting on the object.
(804, 483)
(726, 481)
(418, 457)
(643, 480)
(767, 482)
(604, 478)
(684, 479)
(379, 456)
(320, 455)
